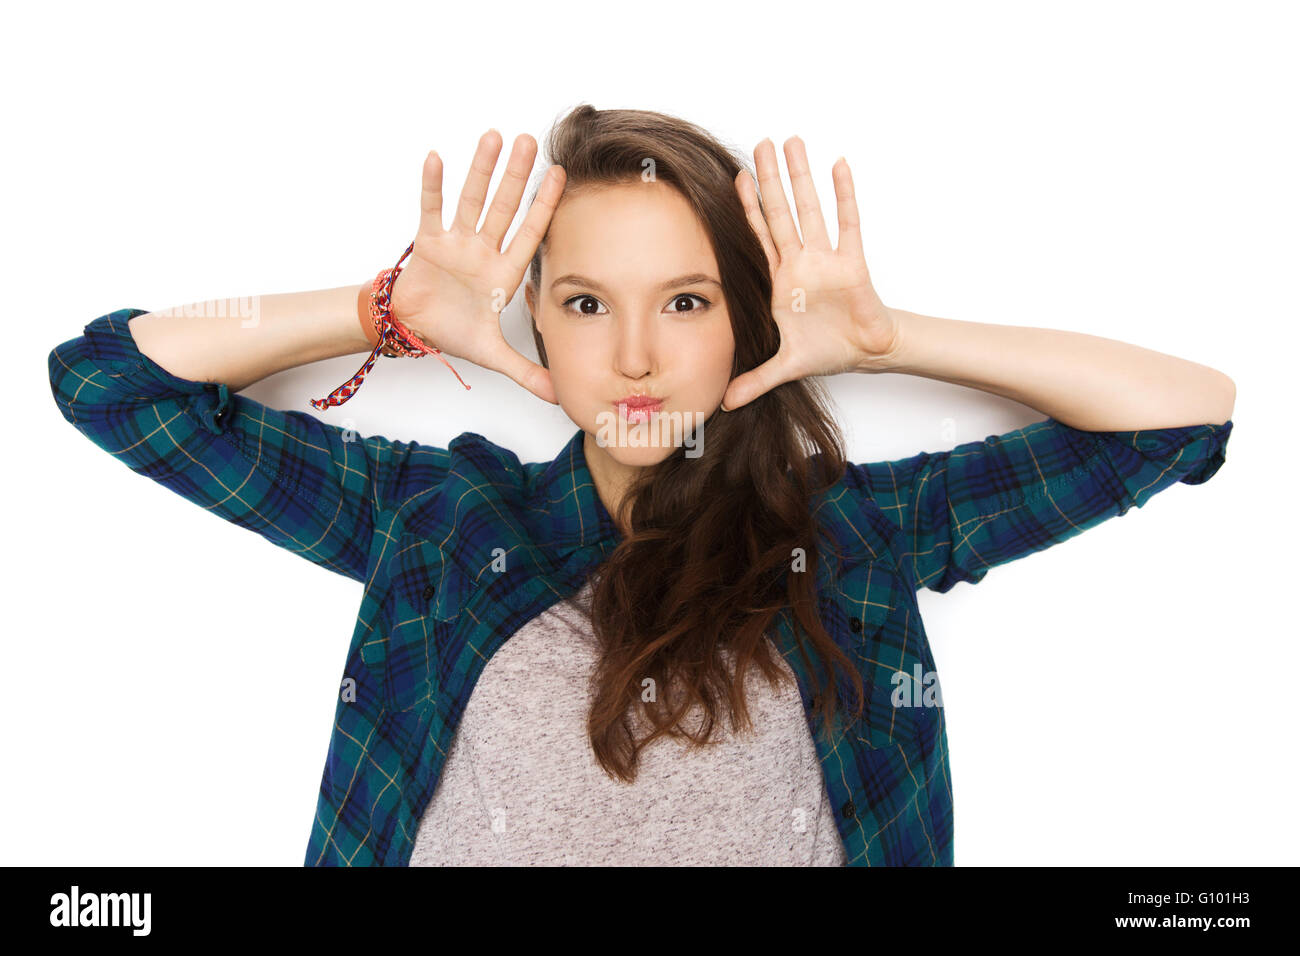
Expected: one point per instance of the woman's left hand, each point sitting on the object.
(830, 318)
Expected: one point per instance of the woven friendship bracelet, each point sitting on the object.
(395, 339)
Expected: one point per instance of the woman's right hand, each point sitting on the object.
(453, 286)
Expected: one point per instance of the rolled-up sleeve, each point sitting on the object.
(984, 503)
(312, 488)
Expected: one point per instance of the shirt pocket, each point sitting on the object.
(867, 593)
(428, 592)
(875, 620)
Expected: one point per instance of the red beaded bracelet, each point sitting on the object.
(395, 339)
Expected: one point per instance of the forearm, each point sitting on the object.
(1084, 381)
(240, 341)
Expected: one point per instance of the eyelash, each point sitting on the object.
(683, 295)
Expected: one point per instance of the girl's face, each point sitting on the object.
(631, 305)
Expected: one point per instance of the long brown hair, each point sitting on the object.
(707, 563)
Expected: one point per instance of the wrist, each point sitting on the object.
(363, 315)
(890, 358)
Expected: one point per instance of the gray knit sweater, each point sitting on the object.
(521, 785)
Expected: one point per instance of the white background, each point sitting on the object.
(1122, 169)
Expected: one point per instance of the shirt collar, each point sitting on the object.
(568, 504)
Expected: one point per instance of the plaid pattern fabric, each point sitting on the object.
(458, 547)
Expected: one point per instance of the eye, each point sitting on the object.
(582, 298)
(704, 303)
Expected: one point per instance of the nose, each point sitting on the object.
(634, 350)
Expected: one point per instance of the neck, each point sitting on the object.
(610, 477)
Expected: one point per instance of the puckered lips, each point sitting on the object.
(638, 408)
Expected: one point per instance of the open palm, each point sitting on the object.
(830, 318)
(457, 280)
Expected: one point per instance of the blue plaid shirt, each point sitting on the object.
(426, 530)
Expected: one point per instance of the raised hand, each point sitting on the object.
(829, 315)
(452, 288)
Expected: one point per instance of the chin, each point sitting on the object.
(635, 445)
(639, 457)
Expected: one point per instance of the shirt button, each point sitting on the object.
(428, 592)
(855, 625)
(847, 810)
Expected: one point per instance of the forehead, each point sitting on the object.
(636, 230)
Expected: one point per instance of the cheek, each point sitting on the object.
(575, 372)
(709, 356)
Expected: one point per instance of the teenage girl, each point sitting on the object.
(692, 637)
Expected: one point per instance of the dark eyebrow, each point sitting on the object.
(695, 278)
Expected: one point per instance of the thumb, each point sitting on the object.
(746, 387)
(524, 371)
